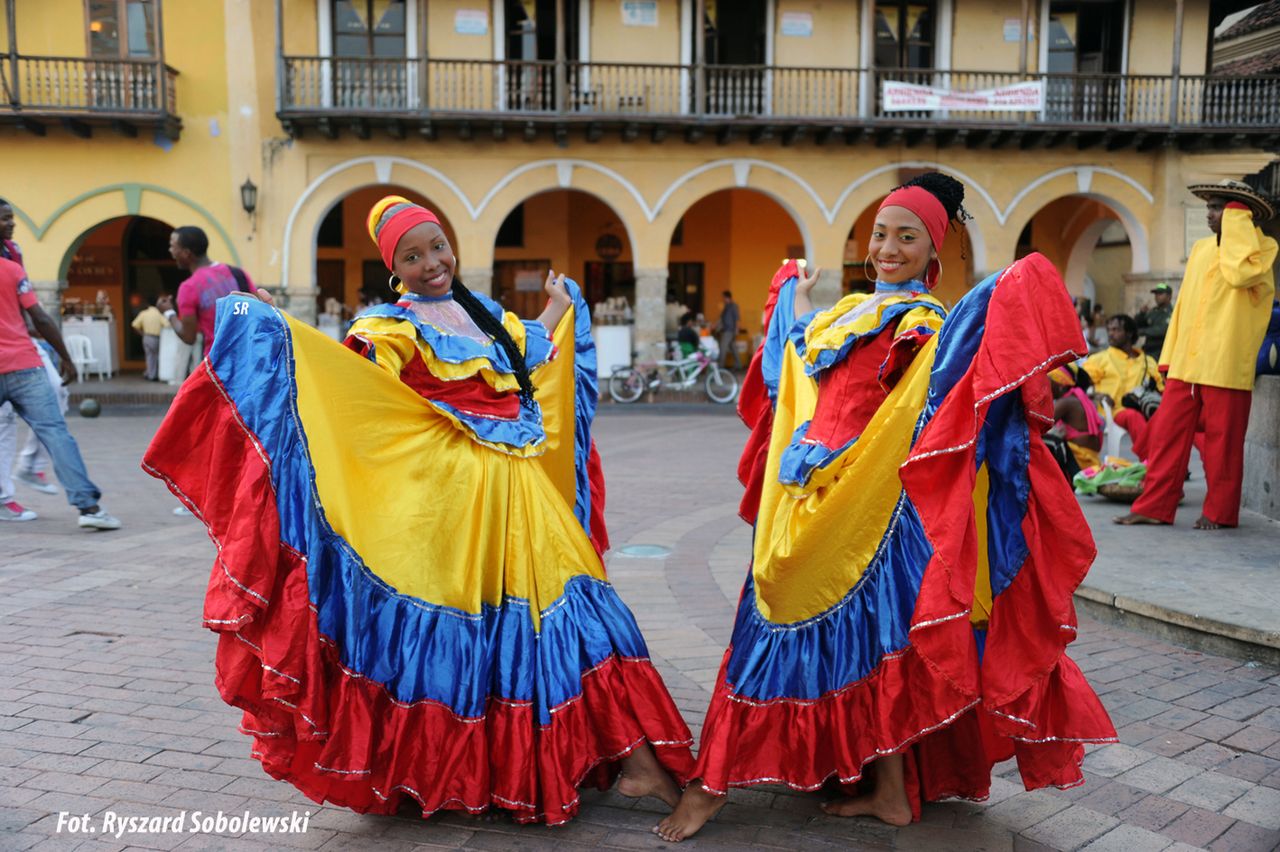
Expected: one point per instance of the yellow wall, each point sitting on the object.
(444, 43)
(978, 43)
(705, 225)
(52, 28)
(1151, 36)
(835, 39)
(762, 235)
(301, 26)
(613, 42)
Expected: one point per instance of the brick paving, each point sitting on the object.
(107, 703)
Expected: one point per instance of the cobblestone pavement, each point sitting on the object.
(107, 705)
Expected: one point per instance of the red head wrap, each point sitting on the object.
(390, 218)
(924, 204)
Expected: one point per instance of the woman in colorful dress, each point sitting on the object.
(915, 547)
(409, 589)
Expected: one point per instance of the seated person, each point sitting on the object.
(1076, 421)
(1121, 369)
(687, 336)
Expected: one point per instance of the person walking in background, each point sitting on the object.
(23, 383)
(727, 331)
(199, 294)
(1153, 320)
(1210, 356)
(149, 323)
(33, 459)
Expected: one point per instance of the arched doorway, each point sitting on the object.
(732, 239)
(572, 232)
(116, 269)
(956, 256)
(1088, 242)
(349, 270)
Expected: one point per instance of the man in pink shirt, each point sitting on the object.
(23, 383)
(199, 294)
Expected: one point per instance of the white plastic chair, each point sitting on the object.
(81, 350)
(1112, 433)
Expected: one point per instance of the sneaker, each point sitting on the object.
(15, 511)
(38, 481)
(99, 520)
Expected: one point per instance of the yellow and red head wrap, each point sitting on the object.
(924, 204)
(390, 218)
(1063, 376)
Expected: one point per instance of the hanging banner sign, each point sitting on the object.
(908, 97)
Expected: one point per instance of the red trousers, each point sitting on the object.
(1136, 425)
(1223, 415)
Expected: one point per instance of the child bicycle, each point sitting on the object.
(630, 383)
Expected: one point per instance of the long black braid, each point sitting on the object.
(493, 327)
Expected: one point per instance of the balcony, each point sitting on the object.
(83, 94)
(760, 103)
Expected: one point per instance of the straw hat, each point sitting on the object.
(1234, 190)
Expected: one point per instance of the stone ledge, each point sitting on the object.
(1196, 631)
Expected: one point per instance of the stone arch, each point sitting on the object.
(533, 179)
(1118, 192)
(302, 226)
(790, 191)
(71, 222)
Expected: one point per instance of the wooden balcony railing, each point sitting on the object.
(88, 91)
(314, 87)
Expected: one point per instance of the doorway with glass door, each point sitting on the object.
(530, 77)
(1085, 61)
(123, 69)
(370, 52)
(735, 51)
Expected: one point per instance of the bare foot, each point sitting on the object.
(695, 808)
(1133, 519)
(642, 775)
(893, 810)
(1203, 523)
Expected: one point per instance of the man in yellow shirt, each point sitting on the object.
(1119, 369)
(1209, 356)
(149, 323)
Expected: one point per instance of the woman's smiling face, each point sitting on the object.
(424, 260)
(900, 247)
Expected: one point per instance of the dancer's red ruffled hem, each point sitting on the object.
(341, 738)
(951, 740)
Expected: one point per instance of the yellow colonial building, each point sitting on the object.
(641, 146)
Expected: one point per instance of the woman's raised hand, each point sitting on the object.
(804, 283)
(557, 290)
(559, 302)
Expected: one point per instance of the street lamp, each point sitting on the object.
(249, 196)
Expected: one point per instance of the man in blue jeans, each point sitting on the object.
(24, 384)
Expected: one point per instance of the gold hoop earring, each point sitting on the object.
(936, 278)
(871, 276)
(396, 284)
